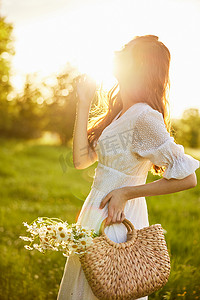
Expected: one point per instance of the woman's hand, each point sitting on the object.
(86, 88)
(116, 202)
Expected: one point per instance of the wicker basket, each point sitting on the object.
(129, 270)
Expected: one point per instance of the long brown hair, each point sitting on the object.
(152, 60)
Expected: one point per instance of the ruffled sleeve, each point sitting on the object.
(151, 140)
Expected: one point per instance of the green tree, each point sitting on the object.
(60, 112)
(187, 129)
(28, 120)
(6, 52)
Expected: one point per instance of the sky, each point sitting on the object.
(48, 34)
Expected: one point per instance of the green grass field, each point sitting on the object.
(40, 180)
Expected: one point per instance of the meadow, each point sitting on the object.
(38, 179)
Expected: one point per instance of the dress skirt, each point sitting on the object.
(74, 285)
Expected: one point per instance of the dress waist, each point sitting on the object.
(106, 179)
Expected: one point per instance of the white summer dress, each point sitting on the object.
(126, 150)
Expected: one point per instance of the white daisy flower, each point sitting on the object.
(51, 232)
(42, 231)
(26, 224)
(62, 233)
(40, 220)
(28, 247)
(25, 238)
(34, 231)
(63, 236)
(73, 247)
(85, 228)
(82, 242)
(88, 240)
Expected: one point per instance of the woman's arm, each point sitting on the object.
(160, 187)
(83, 155)
(118, 198)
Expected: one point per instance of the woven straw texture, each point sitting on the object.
(129, 270)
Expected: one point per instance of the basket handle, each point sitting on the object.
(130, 227)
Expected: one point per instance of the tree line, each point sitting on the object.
(52, 107)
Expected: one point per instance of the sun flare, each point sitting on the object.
(98, 65)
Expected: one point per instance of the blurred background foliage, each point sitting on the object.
(43, 107)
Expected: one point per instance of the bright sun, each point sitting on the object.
(98, 65)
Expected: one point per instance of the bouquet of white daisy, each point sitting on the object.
(56, 235)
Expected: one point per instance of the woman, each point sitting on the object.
(131, 138)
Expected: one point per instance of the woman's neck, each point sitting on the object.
(126, 100)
